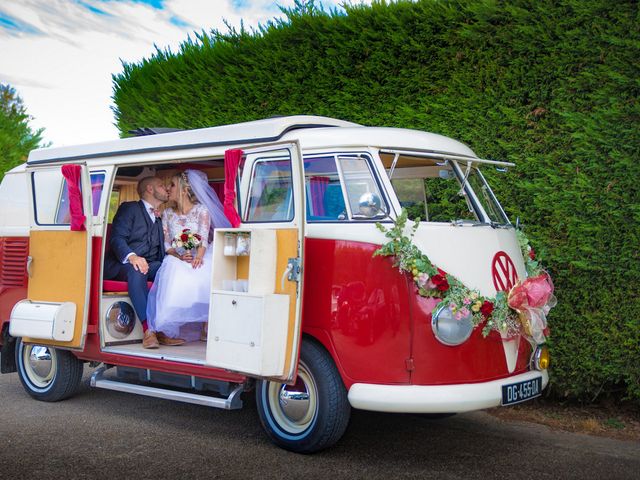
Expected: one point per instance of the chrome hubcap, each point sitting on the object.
(39, 362)
(294, 400)
(294, 407)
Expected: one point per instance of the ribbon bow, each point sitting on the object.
(533, 299)
(155, 212)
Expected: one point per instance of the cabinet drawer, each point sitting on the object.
(248, 333)
(238, 318)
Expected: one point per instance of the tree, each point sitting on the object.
(17, 138)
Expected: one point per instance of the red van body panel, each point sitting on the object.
(378, 329)
(478, 359)
(13, 275)
(358, 307)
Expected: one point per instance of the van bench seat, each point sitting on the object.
(117, 286)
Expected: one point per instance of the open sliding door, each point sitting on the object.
(254, 318)
(59, 263)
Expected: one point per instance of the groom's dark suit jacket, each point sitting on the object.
(133, 231)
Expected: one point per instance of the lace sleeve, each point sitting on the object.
(204, 222)
(166, 218)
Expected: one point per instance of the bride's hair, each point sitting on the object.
(182, 181)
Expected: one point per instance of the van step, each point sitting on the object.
(232, 402)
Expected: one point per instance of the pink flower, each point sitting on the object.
(465, 311)
(423, 279)
(466, 301)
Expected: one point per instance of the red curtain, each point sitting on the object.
(318, 187)
(231, 161)
(72, 174)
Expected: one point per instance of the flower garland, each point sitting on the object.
(520, 311)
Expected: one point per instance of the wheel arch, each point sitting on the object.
(322, 339)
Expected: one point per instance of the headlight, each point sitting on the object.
(448, 329)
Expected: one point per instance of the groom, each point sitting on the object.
(137, 249)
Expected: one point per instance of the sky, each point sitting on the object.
(59, 55)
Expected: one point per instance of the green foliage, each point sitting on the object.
(17, 139)
(550, 85)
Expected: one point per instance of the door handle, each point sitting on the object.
(29, 262)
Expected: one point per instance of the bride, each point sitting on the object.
(178, 304)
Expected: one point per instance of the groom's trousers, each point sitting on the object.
(137, 285)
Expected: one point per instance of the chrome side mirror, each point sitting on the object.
(370, 205)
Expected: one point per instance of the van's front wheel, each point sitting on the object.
(310, 415)
(46, 373)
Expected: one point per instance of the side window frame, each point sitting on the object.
(36, 197)
(95, 206)
(291, 208)
(367, 158)
(384, 202)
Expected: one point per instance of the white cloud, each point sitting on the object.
(62, 66)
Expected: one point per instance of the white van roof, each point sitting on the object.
(259, 131)
(313, 132)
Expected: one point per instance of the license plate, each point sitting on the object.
(521, 391)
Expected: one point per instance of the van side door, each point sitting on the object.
(254, 318)
(59, 263)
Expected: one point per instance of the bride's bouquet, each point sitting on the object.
(186, 240)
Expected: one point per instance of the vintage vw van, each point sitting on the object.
(310, 320)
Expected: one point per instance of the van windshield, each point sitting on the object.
(437, 190)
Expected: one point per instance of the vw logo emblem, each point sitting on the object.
(504, 272)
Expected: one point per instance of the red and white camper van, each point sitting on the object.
(310, 320)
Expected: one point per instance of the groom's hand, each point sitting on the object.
(139, 263)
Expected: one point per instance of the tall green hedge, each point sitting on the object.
(550, 85)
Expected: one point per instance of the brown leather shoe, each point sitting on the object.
(150, 340)
(172, 342)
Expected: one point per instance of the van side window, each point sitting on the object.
(358, 180)
(428, 188)
(325, 199)
(271, 195)
(97, 183)
(47, 194)
(52, 198)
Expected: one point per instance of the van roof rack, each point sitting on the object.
(144, 131)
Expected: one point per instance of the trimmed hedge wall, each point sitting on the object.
(550, 85)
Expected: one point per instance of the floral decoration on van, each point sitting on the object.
(522, 310)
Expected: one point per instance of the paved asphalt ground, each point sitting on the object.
(100, 434)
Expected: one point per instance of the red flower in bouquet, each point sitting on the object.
(486, 309)
(187, 240)
(532, 254)
(440, 281)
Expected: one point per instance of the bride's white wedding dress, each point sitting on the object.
(178, 302)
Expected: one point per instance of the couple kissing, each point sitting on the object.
(147, 247)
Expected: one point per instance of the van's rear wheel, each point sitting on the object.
(46, 373)
(310, 415)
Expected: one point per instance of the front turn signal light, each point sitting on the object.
(540, 358)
